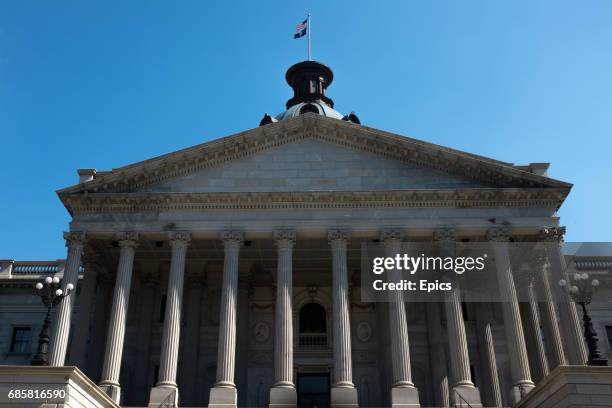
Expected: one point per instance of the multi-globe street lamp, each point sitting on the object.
(51, 295)
(582, 292)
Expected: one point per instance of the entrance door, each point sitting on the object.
(313, 390)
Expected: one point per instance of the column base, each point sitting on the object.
(223, 397)
(163, 396)
(405, 397)
(283, 397)
(466, 394)
(113, 391)
(520, 390)
(344, 397)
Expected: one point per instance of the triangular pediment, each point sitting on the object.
(312, 164)
(313, 153)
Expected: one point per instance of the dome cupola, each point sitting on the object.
(309, 81)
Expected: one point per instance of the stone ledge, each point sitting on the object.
(81, 391)
(572, 387)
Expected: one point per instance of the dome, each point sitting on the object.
(317, 106)
(309, 81)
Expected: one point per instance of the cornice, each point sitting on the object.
(460, 198)
(210, 154)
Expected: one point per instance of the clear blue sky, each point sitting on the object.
(103, 84)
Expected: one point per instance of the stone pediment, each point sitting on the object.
(312, 154)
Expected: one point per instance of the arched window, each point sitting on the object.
(309, 107)
(313, 319)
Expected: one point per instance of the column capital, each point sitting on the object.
(499, 234)
(232, 236)
(445, 234)
(179, 238)
(338, 236)
(284, 238)
(127, 239)
(75, 238)
(390, 234)
(551, 234)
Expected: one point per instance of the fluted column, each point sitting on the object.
(437, 356)
(343, 393)
(492, 366)
(224, 393)
(548, 313)
(166, 390)
(515, 339)
(116, 325)
(570, 323)
(75, 242)
(463, 387)
(283, 392)
(491, 392)
(403, 391)
(531, 325)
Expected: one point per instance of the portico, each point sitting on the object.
(228, 274)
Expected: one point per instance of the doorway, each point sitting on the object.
(313, 390)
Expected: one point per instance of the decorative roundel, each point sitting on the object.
(261, 332)
(364, 332)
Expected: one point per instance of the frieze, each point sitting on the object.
(465, 198)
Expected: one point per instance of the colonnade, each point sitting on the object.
(343, 392)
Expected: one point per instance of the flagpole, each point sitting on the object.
(309, 29)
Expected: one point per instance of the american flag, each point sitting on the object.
(301, 29)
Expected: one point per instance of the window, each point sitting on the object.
(313, 319)
(308, 108)
(609, 334)
(21, 340)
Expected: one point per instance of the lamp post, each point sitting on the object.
(581, 292)
(51, 295)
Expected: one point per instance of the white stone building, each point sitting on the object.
(228, 273)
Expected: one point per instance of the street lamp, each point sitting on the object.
(51, 295)
(582, 292)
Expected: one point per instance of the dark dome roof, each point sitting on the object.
(309, 81)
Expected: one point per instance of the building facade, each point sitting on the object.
(228, 273)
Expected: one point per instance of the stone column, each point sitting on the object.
(116, 326)
(343, 392)
(548, 313)
(533, 337)
(515, 339)
(464, 390)
(492, 364)
(486, 347)
(165, 391)
(75, 242)
(403, 392)
(149, 284)
(282, 393)
(437, 355)
(223, 394)
(82, 331)
(570, 324)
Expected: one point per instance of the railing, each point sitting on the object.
(312, 340)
